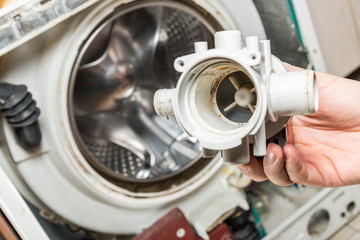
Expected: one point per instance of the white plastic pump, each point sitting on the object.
(228, 96)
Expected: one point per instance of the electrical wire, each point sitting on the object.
(256, 215)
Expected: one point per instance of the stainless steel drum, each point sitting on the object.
(120, 66)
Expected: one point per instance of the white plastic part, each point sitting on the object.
(17, 211)
(226, 94)
(201, 47)
(252, 44)
(163, 102)
(259, 147)
(240, 182)
(228, 40)
(238, 155)
(294, 93)
(209, 153)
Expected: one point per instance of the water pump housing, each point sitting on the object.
(228, 96)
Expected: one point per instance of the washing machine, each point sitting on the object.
(102, 160)
(88, 150)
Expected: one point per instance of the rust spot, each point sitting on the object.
(225, 70)
(219, 115)
(222, 68)
(159, 110)
(215, 86)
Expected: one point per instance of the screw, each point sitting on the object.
(180, 233)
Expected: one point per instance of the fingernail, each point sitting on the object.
(270, 158)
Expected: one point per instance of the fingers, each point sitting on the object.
(254, 169)
(274, 166)
(283, 167)
(300, 171)
(294, 165)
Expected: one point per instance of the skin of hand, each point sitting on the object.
(326, 149)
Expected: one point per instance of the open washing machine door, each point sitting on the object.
(107, 163)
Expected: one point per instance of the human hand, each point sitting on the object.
(326, 149)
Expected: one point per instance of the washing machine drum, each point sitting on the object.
(120, 65)
(107, 162)
(128, 57)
